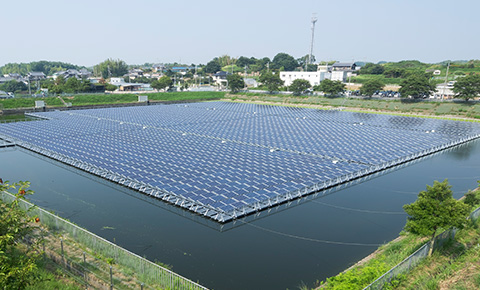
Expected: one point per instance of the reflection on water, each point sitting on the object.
(277, 250)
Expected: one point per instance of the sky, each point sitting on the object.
(88, 32)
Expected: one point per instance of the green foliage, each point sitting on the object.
(298, 86)
(17, 262)
(357, 278)
(285, 61)
(47, 67)
(110, 68)
(330, 87)
(373, 69)
(371, 86)
(162, 83)
(212, 66)
(110, 87)
(416, 86)
(13, 86)
(271, 80)
(434, 209)
(467, 87)
(235, 82)
(472, 198)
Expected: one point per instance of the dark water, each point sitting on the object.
(279, 251)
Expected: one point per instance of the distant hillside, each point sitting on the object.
(47, 67)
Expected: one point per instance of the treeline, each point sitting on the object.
(405, 68)
(47, 67)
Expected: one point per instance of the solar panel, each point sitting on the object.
(225, 160)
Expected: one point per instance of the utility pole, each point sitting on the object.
(314, 20)
(245, 78)
(446, 81)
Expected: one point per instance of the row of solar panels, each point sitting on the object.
(228, 157)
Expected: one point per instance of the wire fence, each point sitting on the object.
(99, 263)
(415, 258)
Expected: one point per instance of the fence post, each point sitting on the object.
(84, 258)
(111, 279)
(61, 244)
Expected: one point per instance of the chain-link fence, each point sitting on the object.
(416, 257)
(98, 262)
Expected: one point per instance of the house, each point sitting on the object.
(70, 73)
(444, 91)
(159, 67)
(220, 78)
(344, 66)
(35, 76)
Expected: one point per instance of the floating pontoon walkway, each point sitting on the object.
(227, 160)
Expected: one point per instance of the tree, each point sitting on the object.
(330, 87)
(285, 61)
(72, 85)
(235, 82)
(212, 66)
(110, 87)
(271, 80)
(371, 86)
(416, 85)
(371, 68)
(434, 209)
(467, 87)
(17, 261)
(298, 86)
(13, 86)
(110, 68)
(162, 83)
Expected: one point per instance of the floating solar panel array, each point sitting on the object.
(226, 160)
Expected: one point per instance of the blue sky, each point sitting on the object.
(188, 31)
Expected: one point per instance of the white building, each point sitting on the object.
(444, 91)
(314, 77)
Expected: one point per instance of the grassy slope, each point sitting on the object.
(456, 266)
(104, 99)
(426, 108)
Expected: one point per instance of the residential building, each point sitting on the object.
(220, 78)
(444, 91)
(35, 76)
(70, 73)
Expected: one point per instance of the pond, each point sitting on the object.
(297, 245)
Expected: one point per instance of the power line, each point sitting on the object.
(310, 239)
(360, 210)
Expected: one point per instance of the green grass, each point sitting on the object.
(361, 79)
(105, 99)
(49, 276)
(426, 108)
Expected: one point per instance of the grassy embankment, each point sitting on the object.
(444, 110)
(106, 99)
(455, 265)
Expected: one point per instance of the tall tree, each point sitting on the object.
(416, 85)
(111, 68)
(330, 87)
(434, 209)
(212, 66)
(371, 86)
(162, 83)
(285, 61)
(467, 87)
(271, 80)
(298, 86)
(235, 82)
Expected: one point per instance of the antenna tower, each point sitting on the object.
(310, 56)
